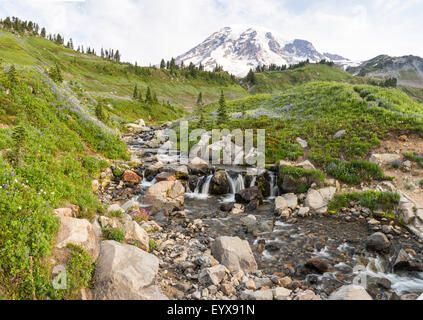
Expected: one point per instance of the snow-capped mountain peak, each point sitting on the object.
(239, 48)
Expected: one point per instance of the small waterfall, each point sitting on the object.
(146, 184)
(237, 184)
(206, 185)
(204, 189)
(274, 189)
(253, 181)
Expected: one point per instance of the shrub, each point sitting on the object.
(415, 158)
(369, 199)
(152, 244)
(115, 234)
(355, 171)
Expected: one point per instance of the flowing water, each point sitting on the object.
(283, 247)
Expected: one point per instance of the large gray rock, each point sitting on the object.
(377, 242)
(219, 183)
(291, 200)
(280, 205)
(125, 272)
(153, 170)
(317, 200)
(165, 195)
(384, 158)
(350, 292)
(213, 275)
(79, 232)
(234, 253)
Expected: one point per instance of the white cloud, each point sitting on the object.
(147, 30)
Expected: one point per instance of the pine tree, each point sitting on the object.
(11, 74)
(222, 115)
(251, 78)
(148, 96)
(19, 135)
(200, 100)
(162, 64)
(43, 32)
(135, 94)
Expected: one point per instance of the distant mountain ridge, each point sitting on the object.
(407, 69)
(238, 49)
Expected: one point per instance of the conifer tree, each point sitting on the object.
(243, 110)
(99, 112)
(11, 74)
(222, 116)
(43, 32)
(162, 64)
(251, 78)
(19, 135)
(200, 100)
(148, 96)
(135, 94)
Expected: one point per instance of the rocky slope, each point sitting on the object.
(407, 69)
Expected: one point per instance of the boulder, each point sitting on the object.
(257, 295)
(377, 242)
(165, 195)
(281, 293)
(404, 262)
(350, 292)
(165, 176)
(125, 272)
(181, 172)
(79, 232)
(226, 207)
(306, 165)
(280, 205)
(247, 195)
(131, 177)
(317, 264)
(291, 200)
(384, 158)
(153, 169)
(135, 234)
(213, 275)
(219, 184)
(317, 200)
(234, 253)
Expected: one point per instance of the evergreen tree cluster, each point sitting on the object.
(150, 96)
(274, 67)
(390, 82)
(19, 26)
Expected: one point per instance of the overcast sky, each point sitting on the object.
(148, 30)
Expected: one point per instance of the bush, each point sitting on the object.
(115, 234)
(356, 171)
(152, 244)
(369, 199)
(139, 215)
(415, 158)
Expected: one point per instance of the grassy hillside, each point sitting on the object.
(107, 78)
(278, 81)
(316, 111)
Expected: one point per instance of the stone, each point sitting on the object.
(385, 158)
(317, 264)
(165, 195)
(181, 172)
(213, 275)
(165, 176)
(307, 165)
(219, 184)
(95, 185)
(226, 207)
(125, 272)
(247, 195)
(79, 232)
(234, 253)
(281, 293)
(249, 220)
(64, 212)
(291, 200)
(109, 222)
(377, 242)
(135, 234)
(250, 284)
(303, 211)
(280, 205)
(114, 208)
(317, 200)
(285, 281)
(302, 142)
(257, 295)
(306, 295)
(153, 169)
(198, 166)
(350, 292)
(227, 288)
(404, 262)
(339, 134)
(131, 177)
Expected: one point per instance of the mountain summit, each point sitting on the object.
(238, 49)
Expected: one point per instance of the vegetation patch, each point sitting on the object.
(115, 234)
(356, 171)
(370, 199)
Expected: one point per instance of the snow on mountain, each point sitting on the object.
(240, 48)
